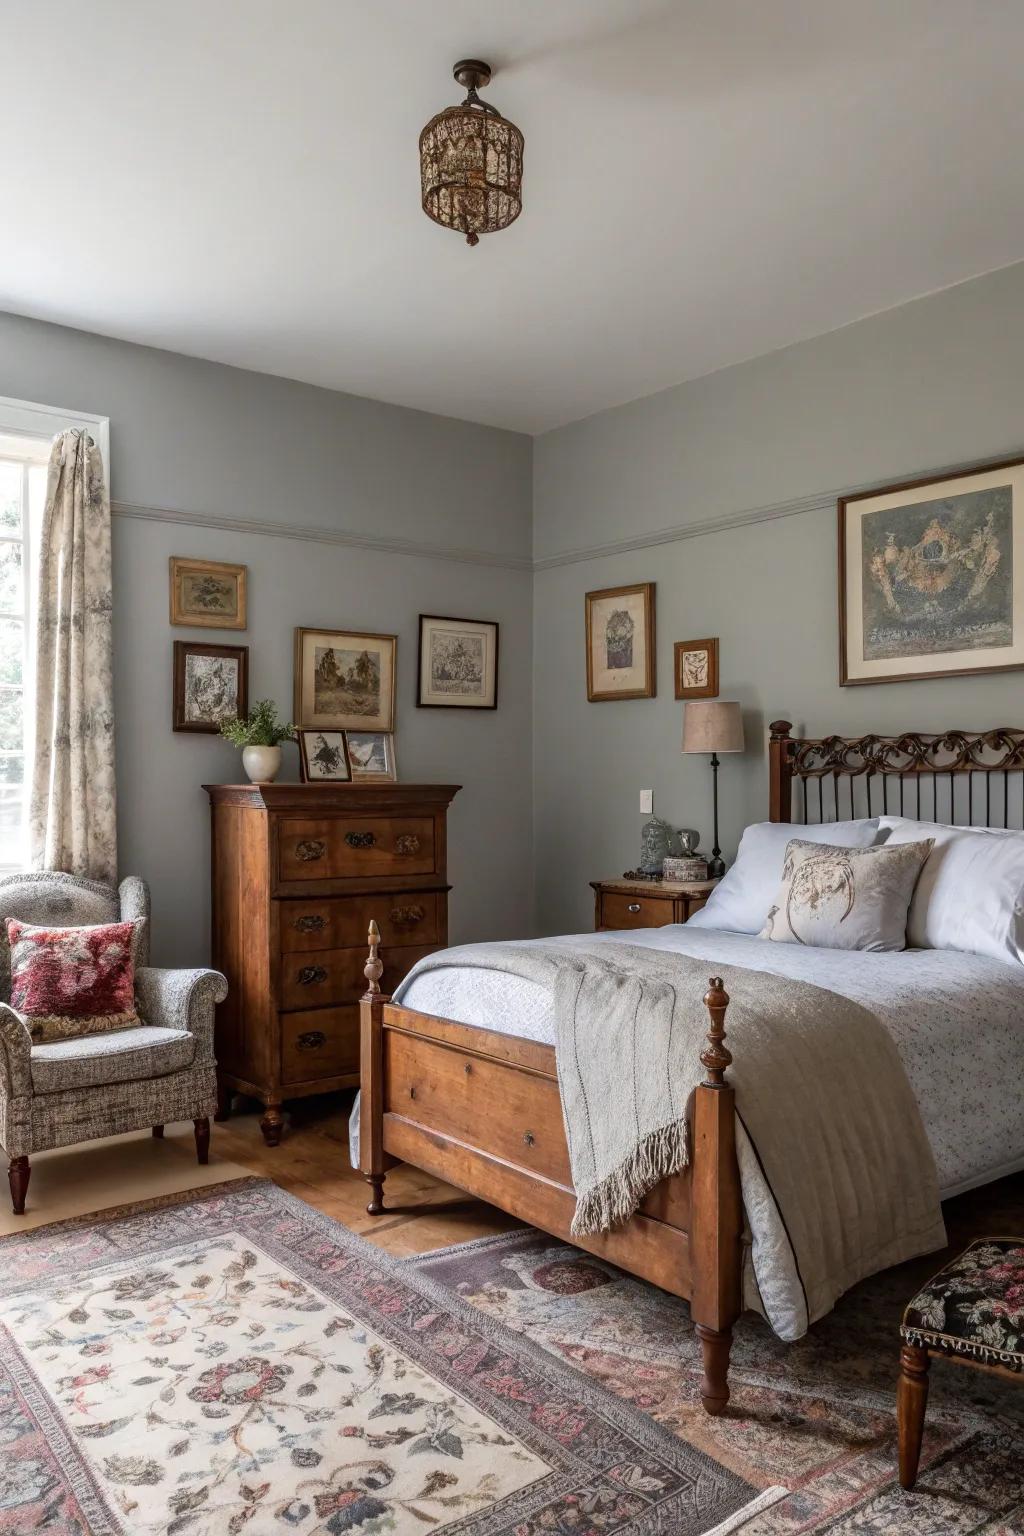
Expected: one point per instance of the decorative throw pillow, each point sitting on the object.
(67, 982)
(845, 898)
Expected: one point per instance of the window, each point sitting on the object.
(22, 497)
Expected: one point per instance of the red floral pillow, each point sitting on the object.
(67, 982)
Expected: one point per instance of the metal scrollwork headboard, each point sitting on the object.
(962, 777)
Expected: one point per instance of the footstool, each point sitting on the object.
(972, 1312)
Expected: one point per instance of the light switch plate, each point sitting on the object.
(647, 802)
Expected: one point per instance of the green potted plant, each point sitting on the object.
(260, 738)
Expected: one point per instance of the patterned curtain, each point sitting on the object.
(72, 809)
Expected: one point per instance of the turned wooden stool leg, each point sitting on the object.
(202, 1129)
(158, 1132)
(911, 1401)
(18, 1173)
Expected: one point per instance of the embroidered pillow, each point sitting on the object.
(845, 898)
(67, 982)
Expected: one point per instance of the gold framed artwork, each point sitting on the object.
(344, 680)
(458, 665)
(696, 669)
(931, 577)
(620, 643)
(323, 757)
(372, 755)
(208, 594)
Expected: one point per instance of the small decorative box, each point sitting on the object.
(685, 869)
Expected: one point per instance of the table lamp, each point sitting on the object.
(713, 725)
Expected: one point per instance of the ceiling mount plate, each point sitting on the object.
(472, 73)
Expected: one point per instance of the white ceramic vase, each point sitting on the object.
(262, 764)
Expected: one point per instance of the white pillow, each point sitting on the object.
(740, 902)
(970, 893)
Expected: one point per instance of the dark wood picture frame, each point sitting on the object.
(440, 618)
(649, 687)
(969, 471)
(708, 690)
(182, 650)
(304, 758)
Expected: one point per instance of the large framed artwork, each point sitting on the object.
(211, 684)
(458, 663)
(620, 643)
(931, 577)
(344, 680)
(207, 593)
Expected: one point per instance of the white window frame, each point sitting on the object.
(28, 419)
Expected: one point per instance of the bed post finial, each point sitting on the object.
(780, 771)
(716, 1056)
(373, 970)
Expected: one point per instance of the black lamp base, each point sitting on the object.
(716, 869)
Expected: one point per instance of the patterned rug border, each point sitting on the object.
(678, 1454)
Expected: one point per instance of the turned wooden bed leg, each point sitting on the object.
(372, 1159)
(716, 1209)
(911, 1402)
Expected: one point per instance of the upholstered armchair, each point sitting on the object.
(68, 1091)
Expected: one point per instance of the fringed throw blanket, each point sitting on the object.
(828, 1127)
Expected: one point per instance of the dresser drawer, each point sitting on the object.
(355, 847)
(621, 911)
(321, 1043)
(408, 917)
(336, 975)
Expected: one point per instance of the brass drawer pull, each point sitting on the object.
(407, 915)
(310, 849)
(311, 976)
(311, 924)
(407, 843)
(634, 906)
(360, 839)
(312, 1040)
(529, 1138)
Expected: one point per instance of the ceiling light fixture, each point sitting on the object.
(471, 162)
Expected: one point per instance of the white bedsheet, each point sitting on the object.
(957, 1021)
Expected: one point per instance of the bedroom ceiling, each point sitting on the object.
(705, 181)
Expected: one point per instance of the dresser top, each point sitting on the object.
(334, 797)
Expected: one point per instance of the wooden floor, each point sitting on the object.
(312, 1163)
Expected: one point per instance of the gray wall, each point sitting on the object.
(932, 384)
(198, 438)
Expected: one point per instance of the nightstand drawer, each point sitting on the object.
(346, 848)
(622, 911)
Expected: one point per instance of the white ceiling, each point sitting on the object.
(705, 180)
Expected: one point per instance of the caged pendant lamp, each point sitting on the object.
(471, 162)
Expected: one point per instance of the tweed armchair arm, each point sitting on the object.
(182, 1000)
(15, 1055)
(133, 897)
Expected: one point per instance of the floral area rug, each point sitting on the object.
(818, 1416)
(230, 1361)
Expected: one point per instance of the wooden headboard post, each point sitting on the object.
(780, 771)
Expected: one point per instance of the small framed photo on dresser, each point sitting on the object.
(323, 757)
(372, 756)
(458, 663)
(696, 668)
(211, 684)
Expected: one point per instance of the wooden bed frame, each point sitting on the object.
(482, 1111)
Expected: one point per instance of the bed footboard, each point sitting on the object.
(482, 1111)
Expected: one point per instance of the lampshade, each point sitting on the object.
(712, 725)
(471, 162)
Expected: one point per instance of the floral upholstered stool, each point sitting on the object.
(972, 1312)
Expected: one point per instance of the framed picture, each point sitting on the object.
(620, 643)
(696, 669)
(344, 680)
(458, 666)
(323, 757)
(211, 684)
(931, 577)
(207, 593)
(372, 755)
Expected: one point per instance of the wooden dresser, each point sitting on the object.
(646, 903)
(298, 872)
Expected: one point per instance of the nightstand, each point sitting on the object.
(647, 903)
